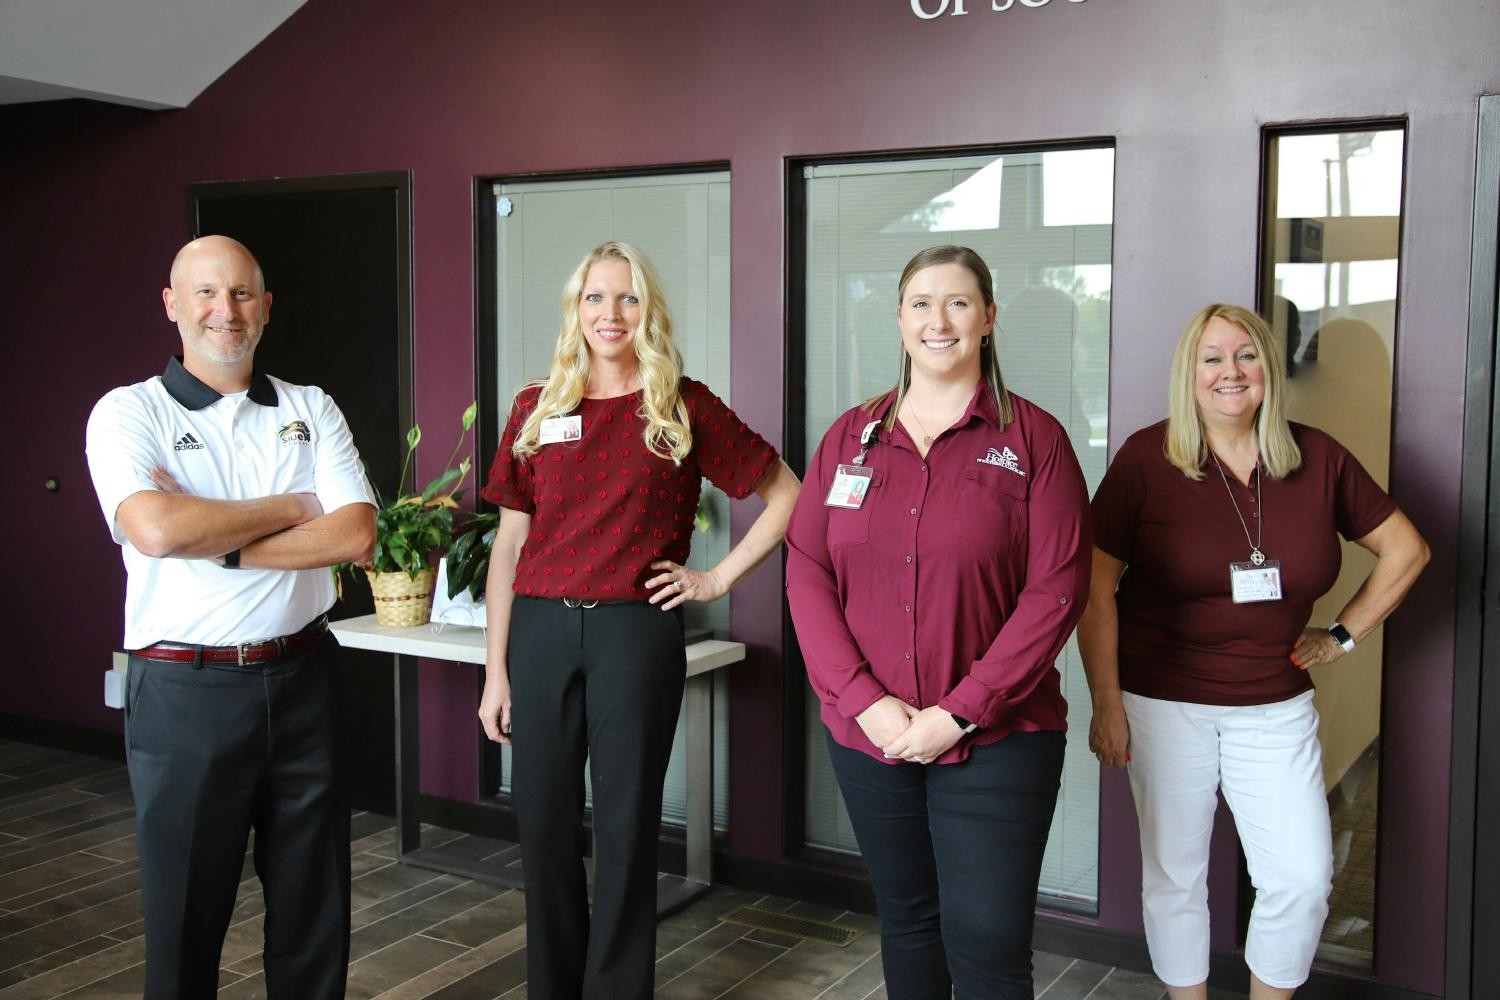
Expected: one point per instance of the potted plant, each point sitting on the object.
(409, 530)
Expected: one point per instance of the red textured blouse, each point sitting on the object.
(604, 508)
(1182, 637)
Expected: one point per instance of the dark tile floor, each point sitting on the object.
(70, 917)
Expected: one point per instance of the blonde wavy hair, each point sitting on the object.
(989, 357)
(668, 433)
(1186, 443)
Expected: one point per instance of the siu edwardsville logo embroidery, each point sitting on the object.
(295, 432)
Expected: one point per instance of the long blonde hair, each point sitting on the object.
(668, 433)
(1186, 443)
(989, 357)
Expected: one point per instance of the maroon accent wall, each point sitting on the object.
(95, 204)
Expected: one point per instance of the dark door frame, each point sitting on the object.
(1473, 968)
(397, 180)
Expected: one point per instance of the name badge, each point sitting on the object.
(557, 429)
(1249, 583)
(850, 485)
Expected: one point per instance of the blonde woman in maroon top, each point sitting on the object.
(937, 562)
(1214, 533)
(597, 476)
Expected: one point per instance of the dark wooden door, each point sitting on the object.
(336, 256)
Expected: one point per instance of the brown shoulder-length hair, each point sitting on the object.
(989, 356)
(1186, 442)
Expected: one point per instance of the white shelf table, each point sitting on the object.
(465, 644)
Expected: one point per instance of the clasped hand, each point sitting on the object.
(905, 732)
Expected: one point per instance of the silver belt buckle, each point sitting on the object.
(239, 652)
(574, 602)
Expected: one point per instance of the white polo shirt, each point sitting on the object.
(277, 438)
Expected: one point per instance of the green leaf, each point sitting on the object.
(414, 436)
(470, 413)
(439, 484)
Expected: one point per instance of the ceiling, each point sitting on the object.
(143, 53)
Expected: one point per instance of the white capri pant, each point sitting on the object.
(1268, 761)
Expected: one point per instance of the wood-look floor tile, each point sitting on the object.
(858, 982)
(502, 957)
(498, 911)
(54, 935)
(382, 907)
(1077, 982)
(26, 853)
(62, 979)
(1121, 984)
(420, 919)
(25, 883)
(93, 810)
(33, 805)
(397, 963)
(70, 896)
(695, 952)
(720, 972)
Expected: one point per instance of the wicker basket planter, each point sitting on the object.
(402, 601)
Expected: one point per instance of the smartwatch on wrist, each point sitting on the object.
(232, 559)
(1342, 637)
(964, 724)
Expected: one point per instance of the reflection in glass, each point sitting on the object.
(1329, 287)
(1042, 220)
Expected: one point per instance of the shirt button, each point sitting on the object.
(239, 446)
(908, 654)
(914, 511)
(908, 609)
(908, 558)
(1062, 600)
(924, 468)
(911, 701)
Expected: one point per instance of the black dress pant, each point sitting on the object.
(955, 853)
(601, 684)
(217, 750)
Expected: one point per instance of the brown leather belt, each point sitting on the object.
(260, 651)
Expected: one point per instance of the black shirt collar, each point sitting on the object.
(190, 392)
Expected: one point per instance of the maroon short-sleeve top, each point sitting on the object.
(1181, 636)
(604, 507)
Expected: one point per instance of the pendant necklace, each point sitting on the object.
(1257, 557)
(926, 434)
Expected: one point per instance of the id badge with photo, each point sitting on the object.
(1249, 583)
(851, 484)
(555, 430)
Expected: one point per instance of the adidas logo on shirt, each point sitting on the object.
(1006, 459)
(187, 443)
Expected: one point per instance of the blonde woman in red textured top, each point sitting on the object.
(1214, 532)
(597, 476)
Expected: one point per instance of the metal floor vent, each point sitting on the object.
(785, 923)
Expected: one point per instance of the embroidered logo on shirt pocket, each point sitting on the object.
(992, 506)
(852, 527)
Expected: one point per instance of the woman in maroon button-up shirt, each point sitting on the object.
(929, 617)
(1216, 530)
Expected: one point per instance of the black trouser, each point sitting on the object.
(215, 751)
(954, 853)
(601, 684)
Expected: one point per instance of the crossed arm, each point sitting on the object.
(283, 531)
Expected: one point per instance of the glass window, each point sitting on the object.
(681, 220)
(1042, 220)
(1329, 282)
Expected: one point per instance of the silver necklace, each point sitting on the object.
(1256, 555)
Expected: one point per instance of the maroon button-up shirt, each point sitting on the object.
(956, 583)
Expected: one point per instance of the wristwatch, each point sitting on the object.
(232, 559)
(964, 724)
(1342, 637)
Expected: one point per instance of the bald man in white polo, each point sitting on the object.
(230, 492)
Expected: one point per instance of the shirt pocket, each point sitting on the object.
(848, 526)
(992, 506)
